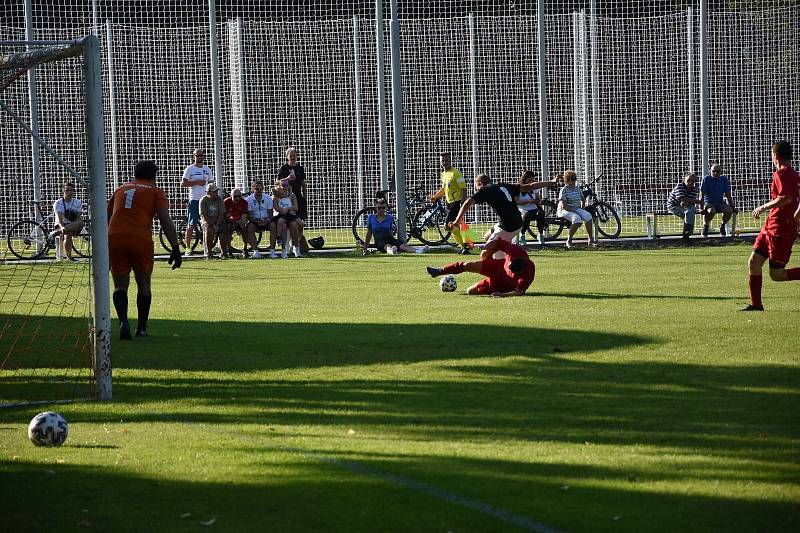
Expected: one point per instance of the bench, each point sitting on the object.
(653, 216)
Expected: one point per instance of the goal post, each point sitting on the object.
(37, 53)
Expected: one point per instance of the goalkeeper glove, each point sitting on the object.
(175, 258)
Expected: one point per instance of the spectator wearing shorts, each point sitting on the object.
(683, 201)
(453, 190)
(776, 238)
(510, 276)
(571, 205)
(530, 208)
(67, 210)
(212, 220)
(381, 226)
(259, 218)
(284, 205)
(714, 190)
(195, 178)
(130, 242)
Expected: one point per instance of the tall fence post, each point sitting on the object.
(473, 94)
(690, 69)
(596, 160)
(397, 115)
(587, 164)
(241, 168)
(381, 64)
(34, 114)
(576, 94)
(112, 100)
(704, 163)
(212, 34)
(359, 118)
(543, 139)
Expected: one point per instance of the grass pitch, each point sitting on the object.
(347, 393)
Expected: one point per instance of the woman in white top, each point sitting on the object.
(529, 204)
(570, 208)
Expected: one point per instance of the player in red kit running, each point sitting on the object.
(776, 238)
(510, 276)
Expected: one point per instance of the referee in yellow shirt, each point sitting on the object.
(454, 189)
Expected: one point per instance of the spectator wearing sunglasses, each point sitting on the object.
(381, 225)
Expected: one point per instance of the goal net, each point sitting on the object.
(54, 323)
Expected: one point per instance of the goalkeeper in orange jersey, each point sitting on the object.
(130, 242)
(775, 240)
(454, 189)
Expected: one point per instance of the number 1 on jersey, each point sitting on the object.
(129, 198)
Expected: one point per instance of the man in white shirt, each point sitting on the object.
(259, 214)
(195, 177)
(68, 211)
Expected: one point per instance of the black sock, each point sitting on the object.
(143, 305)
(121, 304)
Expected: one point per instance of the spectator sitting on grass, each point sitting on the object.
(381, 226)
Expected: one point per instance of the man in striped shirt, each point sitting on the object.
(683, 201)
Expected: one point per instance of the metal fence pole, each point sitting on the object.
(473, 94)
(112, 99)
(359, 117)
(212, 34)
(397, 116)
(545, 163)
(34, 114)
(381, 64)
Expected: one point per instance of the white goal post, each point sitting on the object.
(88, 48)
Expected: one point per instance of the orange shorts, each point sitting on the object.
(127, 253)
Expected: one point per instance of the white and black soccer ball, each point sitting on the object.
(448, 283)
(48, 429)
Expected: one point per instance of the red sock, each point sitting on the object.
(453, 268)
(793, 274)
(755, 289)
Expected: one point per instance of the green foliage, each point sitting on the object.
(347, 393)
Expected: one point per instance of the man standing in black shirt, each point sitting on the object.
(501, 197)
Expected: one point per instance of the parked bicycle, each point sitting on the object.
(604, 216)
(28, 239)
(424, 221)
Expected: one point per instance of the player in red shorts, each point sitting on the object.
(775, 240)
(130, 242)
(510, 276)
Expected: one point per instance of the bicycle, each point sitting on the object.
(28, 239)
(424, 221)
(604, 216)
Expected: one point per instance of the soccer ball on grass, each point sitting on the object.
(48, 429)
(448, 283)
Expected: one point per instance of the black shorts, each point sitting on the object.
(380, 244)
(452, 211)
(288, 218)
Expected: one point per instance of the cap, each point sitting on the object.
(211, 187)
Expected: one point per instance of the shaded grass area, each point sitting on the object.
(626, 394)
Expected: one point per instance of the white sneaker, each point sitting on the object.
(393, 250)
(423, 249)
(256, 255)
(296, 251)
(272, 254)
(285, 253)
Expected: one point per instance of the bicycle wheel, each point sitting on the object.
(429, 226)
(180, 229)
(554, 224)
(607, 220)
(359, 224)
(27, 239)
(82, 244)
(197, 240)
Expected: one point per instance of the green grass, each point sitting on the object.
(348, 393)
